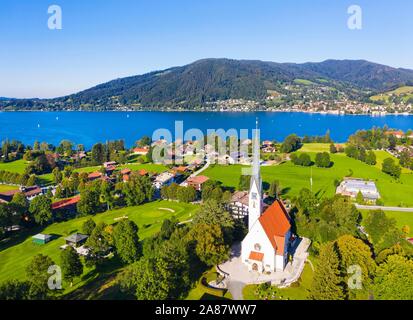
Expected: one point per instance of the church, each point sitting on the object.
(266, 246)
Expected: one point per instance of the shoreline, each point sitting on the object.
(219, 111)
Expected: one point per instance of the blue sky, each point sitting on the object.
(106, 39)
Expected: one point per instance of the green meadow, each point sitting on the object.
(17, 254)
(402, 218)
(17, 166)
(6, 187)
(293, 178)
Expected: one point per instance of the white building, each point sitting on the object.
(266, 246)
(352, 186)
(164, 179)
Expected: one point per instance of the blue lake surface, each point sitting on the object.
(91, 127)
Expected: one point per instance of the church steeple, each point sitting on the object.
(256, 172)
(255, 194)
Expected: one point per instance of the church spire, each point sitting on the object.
(255, 194)
(256, 153)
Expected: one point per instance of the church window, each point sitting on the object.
(257, 247)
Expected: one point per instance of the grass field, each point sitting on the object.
(16, 166)
(6, 187)
(293, 178)
(304, 82)
(14, 257)
(405, 91)
(402, 218)
(297, 291)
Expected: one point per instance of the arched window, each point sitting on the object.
(257, 247)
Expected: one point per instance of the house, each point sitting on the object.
(164, 179)
(76, 240)
(29, 192)
(41, 238)
(267, 245)
(196, 182)
(109, 164)
(67, 205)
(352, 186)
(140, 151)
(94, 175)
(238, 206)
(396, 133)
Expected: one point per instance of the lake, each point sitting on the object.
(91, 127)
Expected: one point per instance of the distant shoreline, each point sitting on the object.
(223, 111)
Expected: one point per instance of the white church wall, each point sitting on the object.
(257, 235)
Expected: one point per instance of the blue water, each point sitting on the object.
(91, 127)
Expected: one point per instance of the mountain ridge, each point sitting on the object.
(213, 79)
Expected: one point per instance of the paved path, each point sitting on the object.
(399, 209)
(202, 169)
(238, 276)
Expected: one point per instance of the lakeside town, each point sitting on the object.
(63, 200)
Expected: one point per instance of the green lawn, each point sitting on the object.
(148, 217)
(293, 178)
(402, 218)
(297, 291)
(6, 187)
(315, 147)
(16, 166)
(381, 155)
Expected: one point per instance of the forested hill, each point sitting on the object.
(195, 85)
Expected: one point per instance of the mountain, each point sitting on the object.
(208, 80)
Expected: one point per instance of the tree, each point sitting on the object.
(210, 245)
(394, 279)
(382, 230)
(88, 226)
(126, 239)
(71, 265)
(38, 276)
(275, 189)
(244, 182)
(165, 275)
(89, 202)
(15, 290)
(354, 252)
(20, 204)
(360, 198)
(390, 167)
(144, 141)
(322, 160)
(57, 175)
(98, 154)
(333, 148)
(371, 158)
(291, 143)
(106, 194)
(99, 242)
(328, 283)
(41, 209)
(304, 160)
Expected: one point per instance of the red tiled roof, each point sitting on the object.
(143, 172)
(125, 177)
(276, 223)
(32, 191)
(141, 150)
(395, 133)
(197, 180)
(257, 256)
(65, 203)
(125, 171)
(94, 175)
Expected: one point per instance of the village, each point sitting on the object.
(268, 249)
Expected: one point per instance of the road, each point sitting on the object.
(399, 209)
